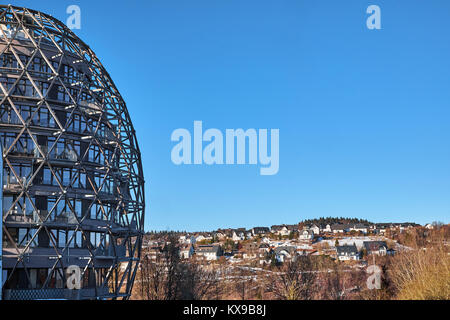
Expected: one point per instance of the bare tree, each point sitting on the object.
(295, 280)
(198, 283)
(159, 277)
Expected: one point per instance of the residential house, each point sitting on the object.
(202, 237)
(315, 229)
(260, 231)
(220, 235)
(186, 251)
(264, 248)
(340, 228)
(375, 247)
(209, 252)
(284, 230)
(280, 230)
(265, 240)
(359, 227)
(250, 251)
(238, 234)
(347, 252)
(284, 253)
(306, 235)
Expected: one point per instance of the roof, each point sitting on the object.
(208, 248)
(277, 227)
(360, 226)
(289, 249)
(346, 250)
(374, 245)
(340, 226)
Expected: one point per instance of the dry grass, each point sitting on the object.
(422, 274)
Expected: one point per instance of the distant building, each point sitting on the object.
(280, 230)
(376, 247)
(306, 235)
(282, 254)
(347, 252)
(260, 231)
(359, 227)
(186, 251)
(284, 230)
(209, 252)
(315, 229)
(340, 228)
(238, 235)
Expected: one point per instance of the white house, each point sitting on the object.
(306, 235)
(347, 252)
(281, 230)
(285, 253)
(376, 247)
(209, 252)
(265, 240)
(359, 227)
(186, 251)
(238, 235)
(315, 229)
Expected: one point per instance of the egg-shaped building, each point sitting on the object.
(73, 188)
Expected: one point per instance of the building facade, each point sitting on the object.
(73, 188)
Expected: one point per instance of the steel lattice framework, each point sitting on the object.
(73, 187)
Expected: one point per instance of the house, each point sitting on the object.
(292, 227)
(186, 251)
(209, 252)
(340, 228)
(429, 226)
(238, 235)
(359, 227)
(187, 239)
(260, 231)
(306, 235)
(375, 247)
(315, 229)
(284, 253)
(284, 230)
(326, 228)
(220, 235)
(265, 240)
(347, 252)
(202, 237)
(153, 252)
(250, 251)
(264, 248)
(280, 230)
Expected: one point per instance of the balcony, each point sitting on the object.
(63, 154)
(63, 219)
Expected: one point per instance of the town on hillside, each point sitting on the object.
(253, 263)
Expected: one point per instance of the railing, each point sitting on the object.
(40, 216)
(55, 294)
(56, 153)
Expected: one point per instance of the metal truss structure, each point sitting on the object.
(73, 186)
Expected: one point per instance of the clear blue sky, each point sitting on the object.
(364, 115)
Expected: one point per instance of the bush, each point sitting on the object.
(422, 274)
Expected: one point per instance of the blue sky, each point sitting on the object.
(364, 115)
